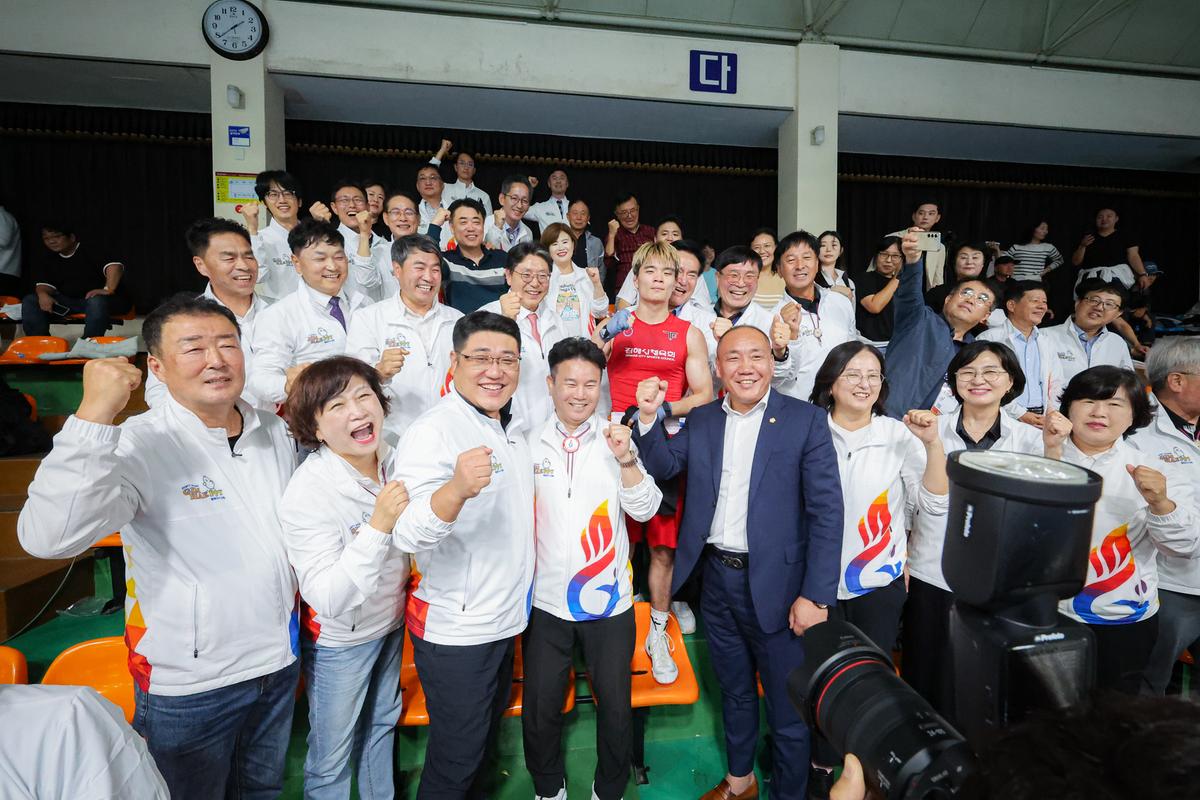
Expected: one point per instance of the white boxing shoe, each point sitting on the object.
(685, 617)
(662, 663)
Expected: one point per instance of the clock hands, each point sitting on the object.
(231, 30)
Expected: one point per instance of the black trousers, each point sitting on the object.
(926, 659)
(1123, 654)
(466, 692)
(607, 650)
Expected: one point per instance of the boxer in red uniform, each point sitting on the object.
(648, 342)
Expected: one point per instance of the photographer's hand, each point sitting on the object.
(852, 785)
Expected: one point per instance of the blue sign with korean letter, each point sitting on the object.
(239, 135)
(713, 72)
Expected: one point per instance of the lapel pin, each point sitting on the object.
(771, 420)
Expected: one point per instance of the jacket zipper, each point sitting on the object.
(195, 621)
(466, 584)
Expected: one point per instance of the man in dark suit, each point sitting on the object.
(763, 518)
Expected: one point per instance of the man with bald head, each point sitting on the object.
(769, 546)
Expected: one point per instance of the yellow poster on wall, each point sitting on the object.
(235, 187)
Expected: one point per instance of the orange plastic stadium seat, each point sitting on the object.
(112, 540)
(648, 692)
(12, 666)
(32, 405)
(128, 315)
(99, 663)
(25, 350)
(413, 711)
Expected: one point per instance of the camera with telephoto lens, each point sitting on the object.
(1018, 533)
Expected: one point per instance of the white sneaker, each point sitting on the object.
(662, 663)
(685, 617)
(562, 794)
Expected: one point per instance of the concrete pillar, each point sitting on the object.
(236, 160)
(808, 144)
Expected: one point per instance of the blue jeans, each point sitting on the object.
(228, 742)
(95, 310)
(353, 707)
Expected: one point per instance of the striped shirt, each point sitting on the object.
(1032, 259)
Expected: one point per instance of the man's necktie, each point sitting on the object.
(533, 328)
(560, 209)
(335, 311)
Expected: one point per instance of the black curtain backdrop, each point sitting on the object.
(133, 180)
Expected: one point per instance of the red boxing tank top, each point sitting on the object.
(646, 351)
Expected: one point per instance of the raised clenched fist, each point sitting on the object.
(616, 436)
(320, 211)
(391, 361)
(389, 505)
(613, 226)
(290, 374)
(107, 384)
(250, 214)
(441, 216)
(792, 316)
(444, 149)
(650, 394)
(472, 472)
(533, 182)
(510, 304)
(1152, 486)
(781, 335)
(720, 326)
(593, 274)
(1055, 430)
(364, 220)
(923, 425)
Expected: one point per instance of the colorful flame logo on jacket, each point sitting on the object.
(875, 530)
(599, 549)
(1112, 561)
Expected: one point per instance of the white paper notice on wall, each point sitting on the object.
(239, 135)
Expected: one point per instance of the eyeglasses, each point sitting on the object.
(885, 256)
(481, 362)
(349, 200)
(396, 213)
(533, 277)
(873, 379)
(1107, 305)
(979, 298)
(281, 194)
(517, 200)
(629, 212)
(989, 374)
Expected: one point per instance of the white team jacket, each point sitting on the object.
(1122, 579)
(532, 401)
(576, 286)
(425, 374)
(1053, 379)
(806, 354)
(277, 276)
(351, 576)
(296, 330)
(474, 575)
(156, 390)
(583, 570)
(1108, 348)
(1178, 458)
(928, 535)
(881, 490)
(212, 597)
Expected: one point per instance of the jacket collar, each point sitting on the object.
(347, 480)
(187, 422)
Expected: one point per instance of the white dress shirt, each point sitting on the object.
(549, 212)
(1074, 356)
(459, 190)
(277, 276)
(728, 530)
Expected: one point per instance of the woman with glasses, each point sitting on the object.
(1141, 512)
(770, 282)
(982, 377)
(874, 312)
(832, 276)
(338, 514)
(888, 470)
(577, 293)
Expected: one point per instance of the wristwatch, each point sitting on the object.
(822, 606)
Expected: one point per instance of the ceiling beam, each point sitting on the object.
(1049, 17)
(808, 15)
(827, 16)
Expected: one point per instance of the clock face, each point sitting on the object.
(235, 29)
